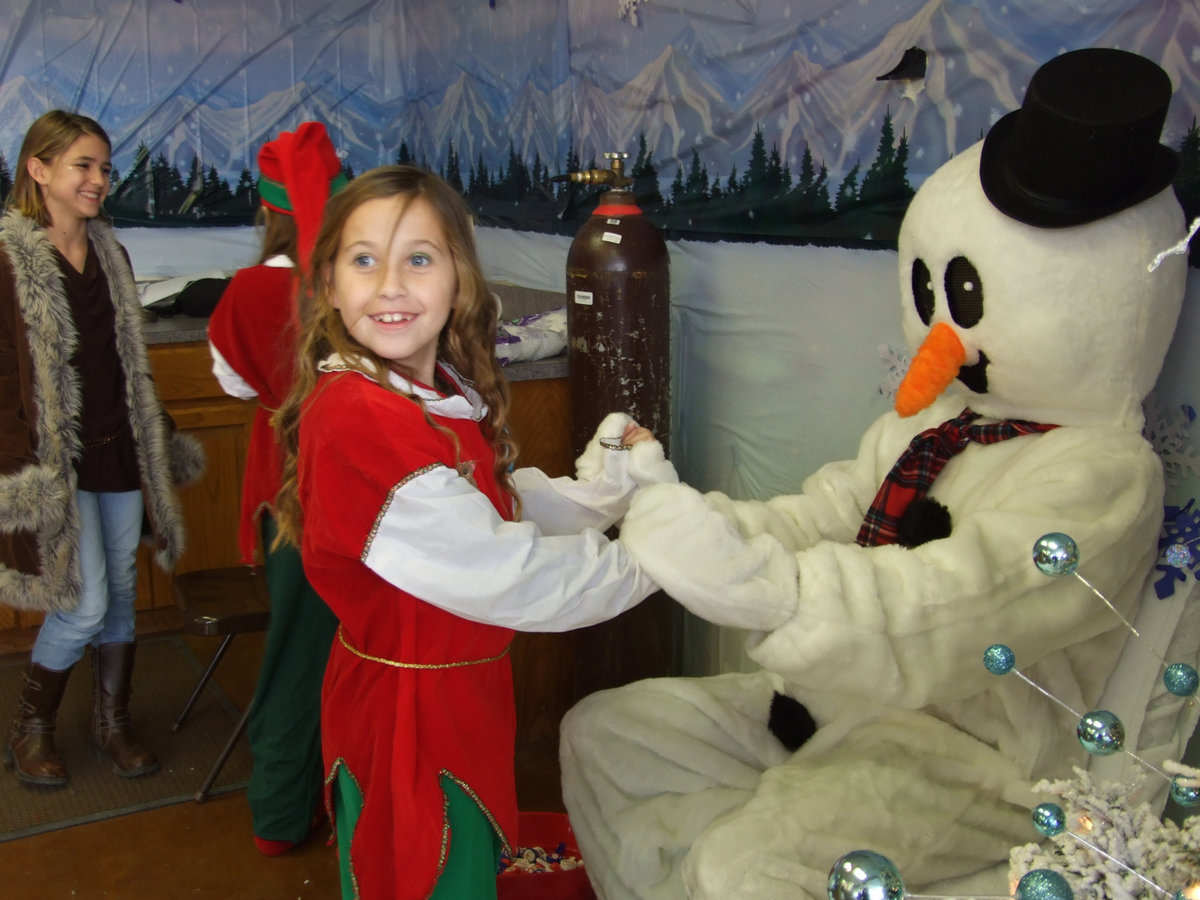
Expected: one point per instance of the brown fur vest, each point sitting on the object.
(38, 498)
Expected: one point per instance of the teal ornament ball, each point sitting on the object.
(865, 875)
(999, 659)
(1049, 819)
(1043, 884)
(1101, 733)
(1181, 679)
(1056, 554)
(1178, 555)
(1185, 794)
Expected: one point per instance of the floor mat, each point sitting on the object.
(163, 678)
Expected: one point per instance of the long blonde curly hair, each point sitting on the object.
(467, 341)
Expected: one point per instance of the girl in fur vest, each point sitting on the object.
(86, 450)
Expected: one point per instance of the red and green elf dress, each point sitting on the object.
(411, 541)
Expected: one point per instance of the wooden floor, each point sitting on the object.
(182, 851)
(187, 850)
(203, 850)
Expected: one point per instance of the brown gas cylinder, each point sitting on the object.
(618, 314)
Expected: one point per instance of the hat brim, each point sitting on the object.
(1016, 201)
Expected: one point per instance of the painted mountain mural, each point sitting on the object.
(759, 119)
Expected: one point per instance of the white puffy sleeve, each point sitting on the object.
(231, 382)
(440, 539)
(376, 490)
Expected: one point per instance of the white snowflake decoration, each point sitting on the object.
(629, 10)
(1169, 432)
(1160, 853)
(895, 364)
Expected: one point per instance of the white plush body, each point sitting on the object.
(676, 788)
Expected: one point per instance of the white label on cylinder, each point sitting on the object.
(612, 221)
(612, 237)
(583, 298)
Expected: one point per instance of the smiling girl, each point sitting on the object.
(397, 489)
(86, 451)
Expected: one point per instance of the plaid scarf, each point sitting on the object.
(927, 454)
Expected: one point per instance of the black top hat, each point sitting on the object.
(1084, 143)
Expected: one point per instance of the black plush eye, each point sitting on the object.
(922, 288)
(964, 292)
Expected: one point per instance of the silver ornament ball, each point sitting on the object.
(1185, 795)
(1049, 819)
(865, 875)
(1101, 733)
(1056, 554)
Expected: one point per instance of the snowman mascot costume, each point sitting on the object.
(870, 597)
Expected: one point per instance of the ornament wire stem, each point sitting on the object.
(1150, 766)
(1029, 681)
(1116, 611)
(1178, 250)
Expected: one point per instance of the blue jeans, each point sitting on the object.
(110, 527)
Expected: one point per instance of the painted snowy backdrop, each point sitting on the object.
(778, 351)
(742, 118)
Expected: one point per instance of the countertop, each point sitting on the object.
(183, 329)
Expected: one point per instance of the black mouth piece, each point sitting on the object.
(975, 377)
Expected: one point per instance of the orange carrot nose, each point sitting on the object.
(931, 371)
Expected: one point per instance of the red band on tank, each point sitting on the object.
(618, 209)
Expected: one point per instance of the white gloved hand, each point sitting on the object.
(592, 463)
(648, 464)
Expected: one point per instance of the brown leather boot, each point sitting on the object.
(30, 746)
(112, 667)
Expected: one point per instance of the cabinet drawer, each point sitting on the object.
(184, 372)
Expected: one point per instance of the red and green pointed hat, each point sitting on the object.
(298, 172)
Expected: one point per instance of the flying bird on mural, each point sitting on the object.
(911, 66)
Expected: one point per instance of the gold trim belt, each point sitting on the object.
(403, 665)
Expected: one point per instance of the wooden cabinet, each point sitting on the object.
(183, 373)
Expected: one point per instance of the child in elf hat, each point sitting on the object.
(397, 488)
(252, 334)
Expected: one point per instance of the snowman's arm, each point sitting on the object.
(730, 561)
(735, 562)
(832, 501)
(721, 574)
(909, 627)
